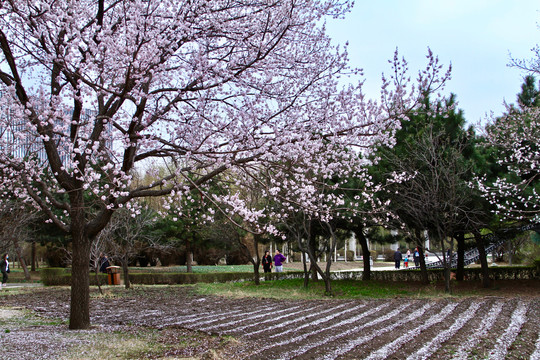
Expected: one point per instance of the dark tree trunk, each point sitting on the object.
(313, 260)
(96, 272)
(483, 259)
(447, 264)
(33, 266)
(257, 261)
(22, 262)
(313, 272)
(256, 275)
(306, 271)
(511, 250)
(311, 251)
(189, 257)
(326, 274)
(366, 274)
(79, 317)
(423, 268)
(447, 271)
(125, 268)
(460, 270)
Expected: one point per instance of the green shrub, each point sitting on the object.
(192, 278)
(350, 255)
(62, 277)
(54, 276)
(389, 255)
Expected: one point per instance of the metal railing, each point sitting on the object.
(473, 255)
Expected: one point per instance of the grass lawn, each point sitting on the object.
(354, 289)
(294, 289)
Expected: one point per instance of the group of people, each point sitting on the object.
(278, 261)
(398, 257)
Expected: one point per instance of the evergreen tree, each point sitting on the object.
(529, 95)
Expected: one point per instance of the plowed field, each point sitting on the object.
(401, 328)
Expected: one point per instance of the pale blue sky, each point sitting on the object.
(476, 36)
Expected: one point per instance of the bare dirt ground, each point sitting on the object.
(505, 326)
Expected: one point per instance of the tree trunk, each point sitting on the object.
(333, 246)
(510, 253)
(189, 258)
(79, 317)
(256, 275)
(306, 271)
(447, 271)
(366, 274)
(96, 272)
(460, 270)
(257, 261)
(423, 268)
(125, 268)
(313, 260)
(447, 264)
(22, 262)
(483, 260)
(33, 266)
(313, 271)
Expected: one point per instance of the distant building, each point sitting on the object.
(20, 141)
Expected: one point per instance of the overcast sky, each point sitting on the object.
(475, 36)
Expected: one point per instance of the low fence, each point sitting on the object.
(59, 276)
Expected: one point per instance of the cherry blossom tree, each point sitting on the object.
(94, 88)
(515, 137)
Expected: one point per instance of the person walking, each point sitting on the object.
(4, 268)
(416, 257)
(267, 262)
(406, 261)
(397, 258)
(278, 261)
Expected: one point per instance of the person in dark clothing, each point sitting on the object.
(267, 262)
(103, 263)
(397, 258)
(4, 268)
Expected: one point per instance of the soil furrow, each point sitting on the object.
(380, 339)
(276, 323)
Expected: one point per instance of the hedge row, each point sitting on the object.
(193, 278)
(62, 276)
(496, 273)
(58, 276)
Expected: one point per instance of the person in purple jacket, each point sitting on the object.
(278, 261)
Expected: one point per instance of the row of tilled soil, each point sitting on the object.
(386, 329)
(494, 328)
(402, 328)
